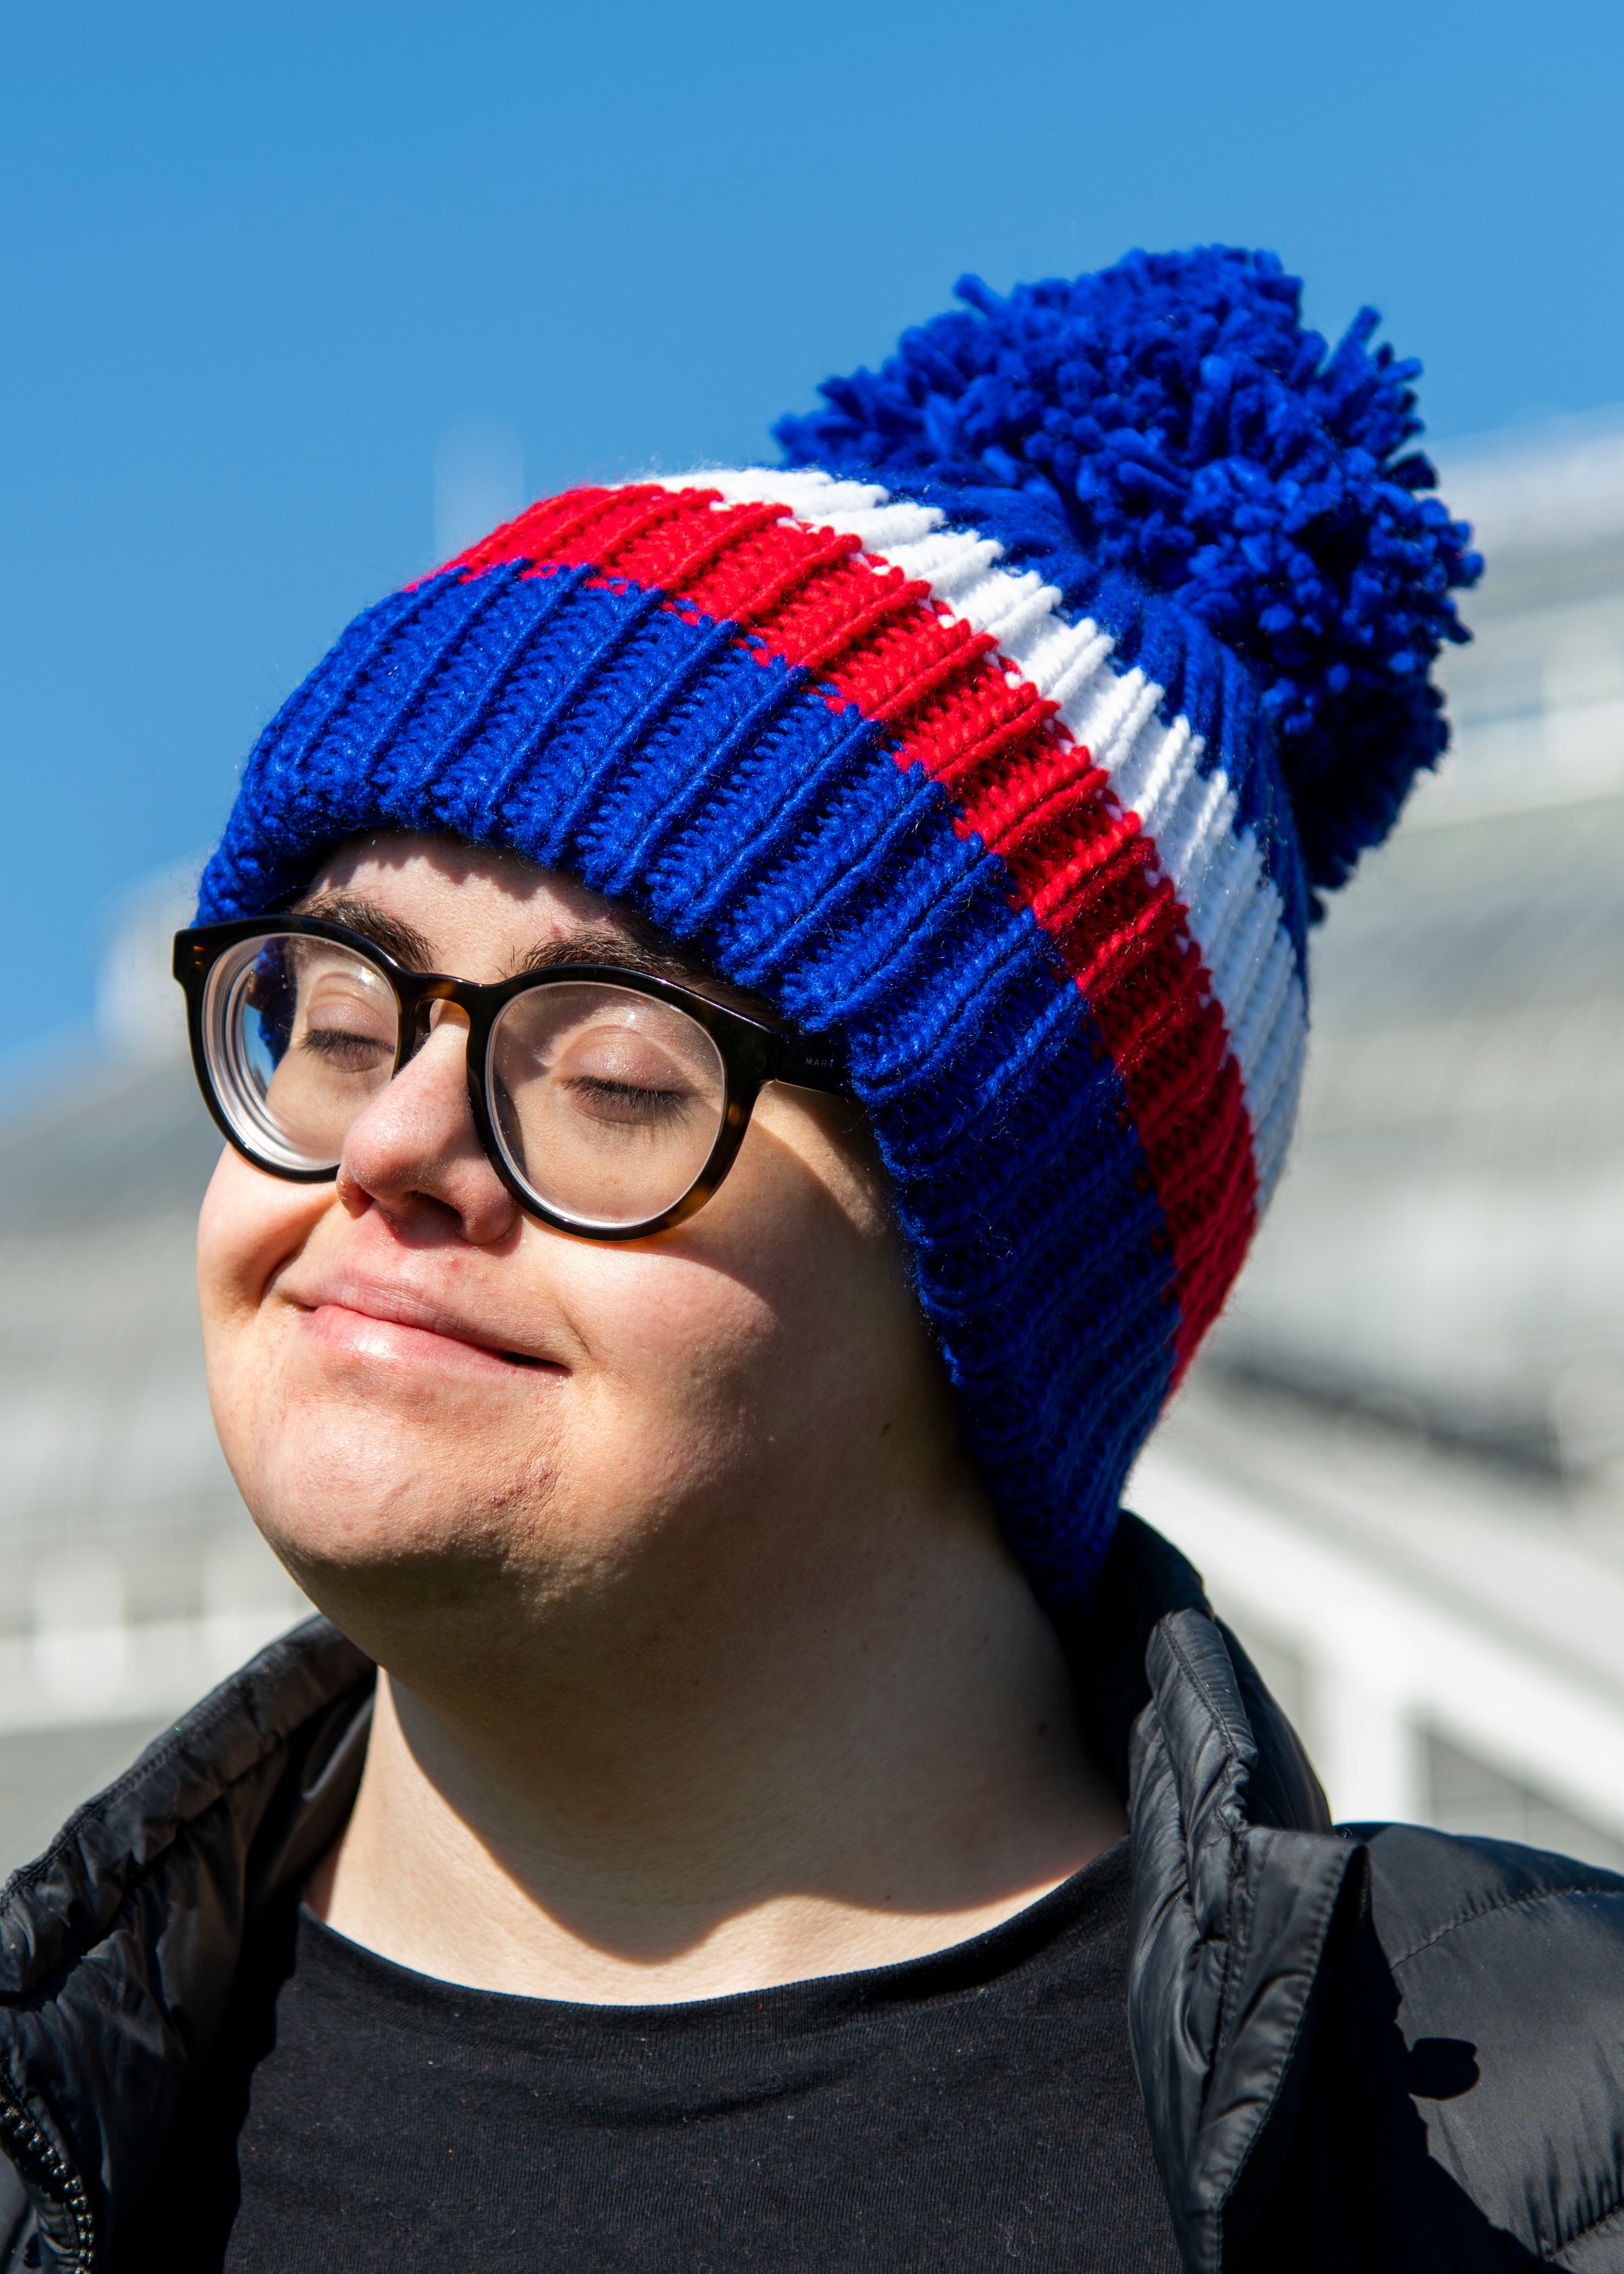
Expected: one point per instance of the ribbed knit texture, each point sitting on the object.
(1035, 865)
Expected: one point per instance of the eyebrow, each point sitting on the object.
(633, 944)
(610, 943)
(402, 941)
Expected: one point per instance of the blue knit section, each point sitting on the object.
(1171, 419)
(661, 762)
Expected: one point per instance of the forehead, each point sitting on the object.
(463, 893)
(483, 914)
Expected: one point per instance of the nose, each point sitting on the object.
(414, 1153)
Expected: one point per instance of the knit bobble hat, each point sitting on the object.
(1007, 731)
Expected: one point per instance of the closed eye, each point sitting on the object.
(357, 1053)
(629, 1102)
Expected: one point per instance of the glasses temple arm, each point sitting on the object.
(811, 1062)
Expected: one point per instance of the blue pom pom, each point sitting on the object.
(1171, 417)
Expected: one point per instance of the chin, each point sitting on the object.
(375, 1489)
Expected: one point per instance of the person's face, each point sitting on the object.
(429, 1399)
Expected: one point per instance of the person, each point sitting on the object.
(754, 1017)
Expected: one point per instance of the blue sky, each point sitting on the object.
(261, 266)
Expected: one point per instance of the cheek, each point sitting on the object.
(681, 1353)
(250, 1225)
(710, 1362)
(756, 1329)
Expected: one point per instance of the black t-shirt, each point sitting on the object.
(974, 2109)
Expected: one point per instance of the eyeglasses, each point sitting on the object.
(611, 1103)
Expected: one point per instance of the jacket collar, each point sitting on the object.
(1238, 1881)
(119, 1944)
(119, 1947)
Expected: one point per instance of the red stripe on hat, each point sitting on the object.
(1087, 869)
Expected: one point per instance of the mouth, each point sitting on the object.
(380, 1324)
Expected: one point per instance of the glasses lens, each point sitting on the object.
(608, 1103)
(301, 1036)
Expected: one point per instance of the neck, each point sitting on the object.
(721, 1778)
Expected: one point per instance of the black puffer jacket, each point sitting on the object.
(1374, 2049)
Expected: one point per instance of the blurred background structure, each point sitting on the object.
(303, 298)
(131, 1579)
(1400, 1462)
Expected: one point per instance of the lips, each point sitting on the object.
(387, 1320)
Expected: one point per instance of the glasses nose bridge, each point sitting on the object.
(428, 989)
